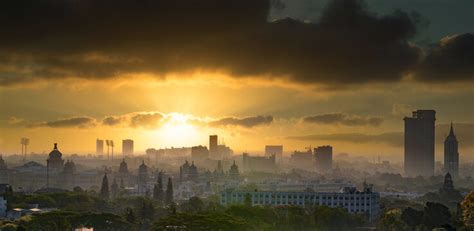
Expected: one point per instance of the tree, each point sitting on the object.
(158, 193)
(436, 215)
(130, 216)
(104, 190)
(248, 200)
(467, 207)
(114, 188)
(169, 192)
(412, 217)
(208, 221)
(391, 221)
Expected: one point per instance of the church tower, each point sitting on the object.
(451, 155)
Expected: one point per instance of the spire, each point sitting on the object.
(55, 146)
(451, 132)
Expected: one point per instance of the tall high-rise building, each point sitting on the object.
(127, 147)
(323, 158)
(99, 147)
(451, 154)
(213, 147)
(419, 143)
(276, 150)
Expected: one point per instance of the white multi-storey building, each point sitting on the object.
(363, 202)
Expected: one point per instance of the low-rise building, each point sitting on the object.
(363, 202)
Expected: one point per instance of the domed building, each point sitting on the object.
(54, 168)
(69, 173)
(123, 174)
(55, 161)
(234, 172)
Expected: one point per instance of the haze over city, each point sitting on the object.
(333, 96)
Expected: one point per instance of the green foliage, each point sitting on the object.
(169, 192)
(467, 208)
(335, 219)
(391, 221)
(61, 220)
(198, 222)
(412, 217)
(104, 190)
(436, 215)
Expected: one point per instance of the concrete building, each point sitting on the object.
(276, 150)
(127, 147)
(323, 158)
(419, 143)
(258, 163)
(451, 154)
(302, 159)
(213, 149)
(363, 202)
(199, 152)
(54, 168)
(99, 147)
(3, 207)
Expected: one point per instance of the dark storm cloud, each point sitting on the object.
(92, 39)
(464, 133)
(80, 122)
(247, 122)
(451, 58)
(344, 119)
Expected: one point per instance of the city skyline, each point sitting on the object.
(162, 99)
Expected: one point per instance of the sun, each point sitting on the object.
(177, 131)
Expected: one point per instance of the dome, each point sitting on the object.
(55, 154)
(123, 167)
(69, 167)
(143, 168)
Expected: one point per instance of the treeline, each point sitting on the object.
(76, 209)
(432, 216)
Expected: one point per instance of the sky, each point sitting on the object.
(168, 73)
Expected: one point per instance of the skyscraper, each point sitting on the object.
(419, 143)
(213, 149)
(127, 147)
(451, 154)
(99, 147)
(276, 150)
(323, 157)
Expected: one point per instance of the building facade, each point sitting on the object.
(365, 202)
(3, 207)
(213, 149)
(419, 143)
(276, 150)
(451, 154)
(127, 147)
(258, 163)
(99, 147)
(199, 152)
(323, 158)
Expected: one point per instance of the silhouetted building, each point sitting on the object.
(99, 147)
(323, 158)
(258, 163)
(54, 167)
(199, 153)
(234, 172)
(419, 143)
(127, 147)
(188, 172)
(213, 149)
(224, 151)
(451, 154)
(124, 174)
(276, 150)
(3, 171)
(219, 171)
(302, 159)
(69, 173)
